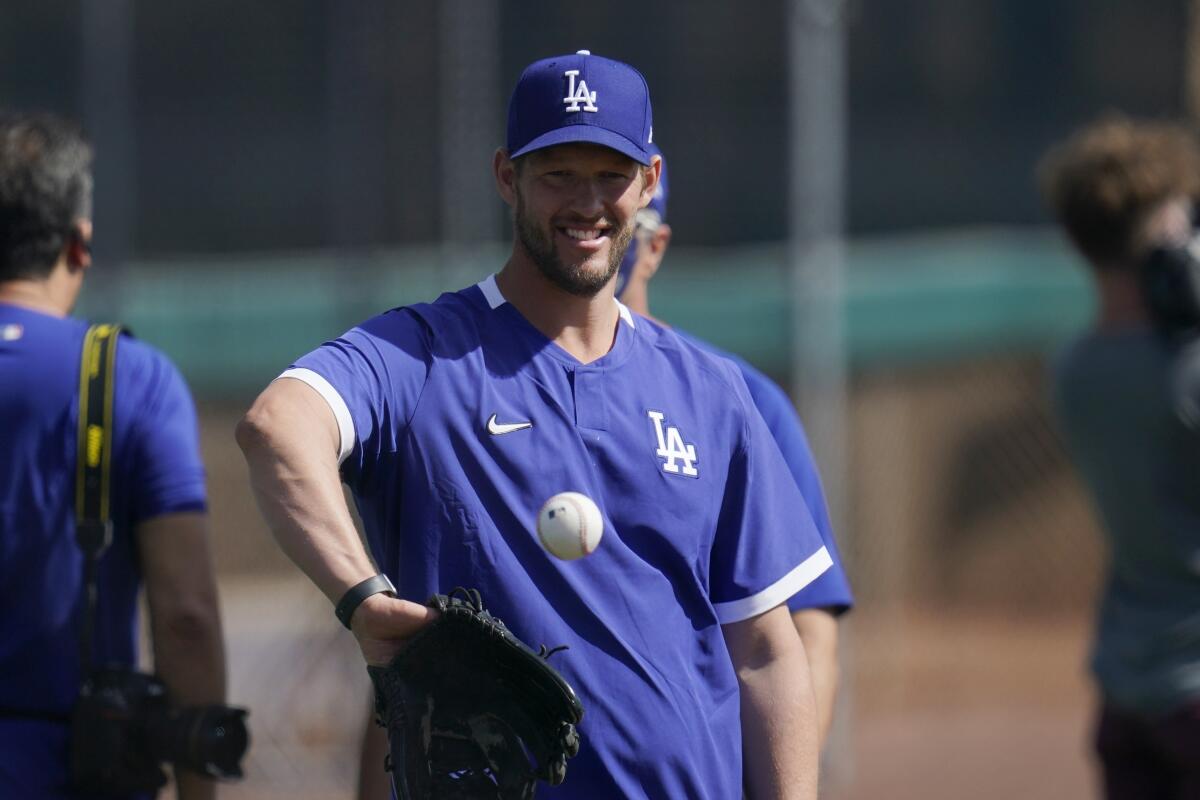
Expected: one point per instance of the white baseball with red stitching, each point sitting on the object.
(569, 525)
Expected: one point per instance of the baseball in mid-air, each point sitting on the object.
(570, 525)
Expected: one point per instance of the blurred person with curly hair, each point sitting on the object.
(1122, 190)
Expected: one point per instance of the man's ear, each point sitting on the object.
(650, 176)
(660, 240)
(78, 249)
(656, 248)
(505, 173)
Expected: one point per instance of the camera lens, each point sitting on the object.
(1171, 289)
(208, 739)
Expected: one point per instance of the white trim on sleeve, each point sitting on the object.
(780, 591)
(337, 405)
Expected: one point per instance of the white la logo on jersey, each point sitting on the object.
(577, 94)
(672, 448)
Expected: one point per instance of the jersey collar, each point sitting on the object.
(491, 293)
(540, 344)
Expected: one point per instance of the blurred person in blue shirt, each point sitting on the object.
(815, 609)
(157, 492)
(1125, 396)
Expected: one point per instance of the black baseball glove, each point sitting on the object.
(471, 712)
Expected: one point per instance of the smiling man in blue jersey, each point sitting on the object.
(452, 422)
(815, 608)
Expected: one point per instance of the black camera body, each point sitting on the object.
(123, 729)
(1170, 279)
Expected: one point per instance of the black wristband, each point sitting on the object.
(355, 595)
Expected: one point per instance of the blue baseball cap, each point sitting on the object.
(581, 98)
(653, 215)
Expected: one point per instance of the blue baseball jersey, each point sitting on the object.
(156, 470)
(831, 590)
(459, 419)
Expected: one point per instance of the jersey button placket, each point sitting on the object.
(590, 392)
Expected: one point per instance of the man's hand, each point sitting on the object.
(383, 624)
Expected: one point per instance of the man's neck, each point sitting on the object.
(583, 326)
(636, 298)
(54, 295)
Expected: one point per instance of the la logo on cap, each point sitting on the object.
(544, 108)
(578, 93)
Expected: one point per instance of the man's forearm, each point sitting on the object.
(185, 620)
(185, 617)
(818, 630)
(294, 475)
(779, 731)
(290, 439)
(190, 659)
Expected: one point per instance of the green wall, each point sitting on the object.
(232, 324)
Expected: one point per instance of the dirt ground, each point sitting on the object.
(300, 674)
(963, 707)
(933, 707)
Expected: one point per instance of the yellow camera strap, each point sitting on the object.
(93, 513)
(93, 523)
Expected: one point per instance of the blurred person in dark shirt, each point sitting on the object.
(1123, 192)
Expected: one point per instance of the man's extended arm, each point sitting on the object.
(290, 439)
(779, 730)
(185, 619)
(818, 629)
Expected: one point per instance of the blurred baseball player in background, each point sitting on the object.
(816, 608)
(1126, 398)
(157, 493)
(453, 422)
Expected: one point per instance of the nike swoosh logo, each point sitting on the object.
(500, 428)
